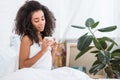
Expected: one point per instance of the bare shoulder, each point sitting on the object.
(26, 40)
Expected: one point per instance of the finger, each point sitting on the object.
(54, 39)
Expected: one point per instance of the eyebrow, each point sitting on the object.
(38, 17)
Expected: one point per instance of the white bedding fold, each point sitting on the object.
(8, 61)
(63, 73)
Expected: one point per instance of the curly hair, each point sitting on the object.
(23, 24)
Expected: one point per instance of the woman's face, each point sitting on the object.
(38, 20)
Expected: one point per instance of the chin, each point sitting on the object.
(41, 30)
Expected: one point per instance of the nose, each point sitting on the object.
(41, 22)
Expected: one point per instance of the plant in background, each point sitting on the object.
(107, 59)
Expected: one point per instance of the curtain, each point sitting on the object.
(117, 16)
(75, 12)
(67, 13)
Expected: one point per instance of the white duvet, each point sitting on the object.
(9, 65)
(63, 73)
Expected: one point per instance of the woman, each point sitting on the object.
(34, 22)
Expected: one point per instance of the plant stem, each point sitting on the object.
(94, 37)
(112, 74)
(91, 32)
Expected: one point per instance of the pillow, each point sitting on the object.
(9, 56)
(15, 41)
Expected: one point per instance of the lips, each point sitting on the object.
(40, 28)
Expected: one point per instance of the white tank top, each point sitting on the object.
(45, 62)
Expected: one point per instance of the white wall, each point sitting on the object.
(67, 12)
(8, 9)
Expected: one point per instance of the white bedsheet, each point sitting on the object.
(63, 73)
(9, 64)
(8, 61)
(9, 56)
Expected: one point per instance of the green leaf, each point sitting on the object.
(95, 25)
(107, 29)
(107, 56)
(117, 74)
(109, 72)
(110, 40)
(96, 62)
(96, 68)
(112, 73)
(102, 43)
(115, 53)
(79, 27)
(115, 64)
(110, 47)
(97, 44)
(95, 51)
(83, 52)
(89, 22)
(101, 57)
(104, 57)
(84, 41)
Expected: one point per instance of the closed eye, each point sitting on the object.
(42, 19)
(36, 20)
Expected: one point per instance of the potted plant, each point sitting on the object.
(107, 59)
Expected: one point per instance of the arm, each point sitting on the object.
(24, 60)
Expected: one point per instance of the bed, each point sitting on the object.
(9, 67)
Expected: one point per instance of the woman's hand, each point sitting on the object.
(45, 43)
(54, 46)
(54, 50)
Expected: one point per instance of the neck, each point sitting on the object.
(40, 37)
